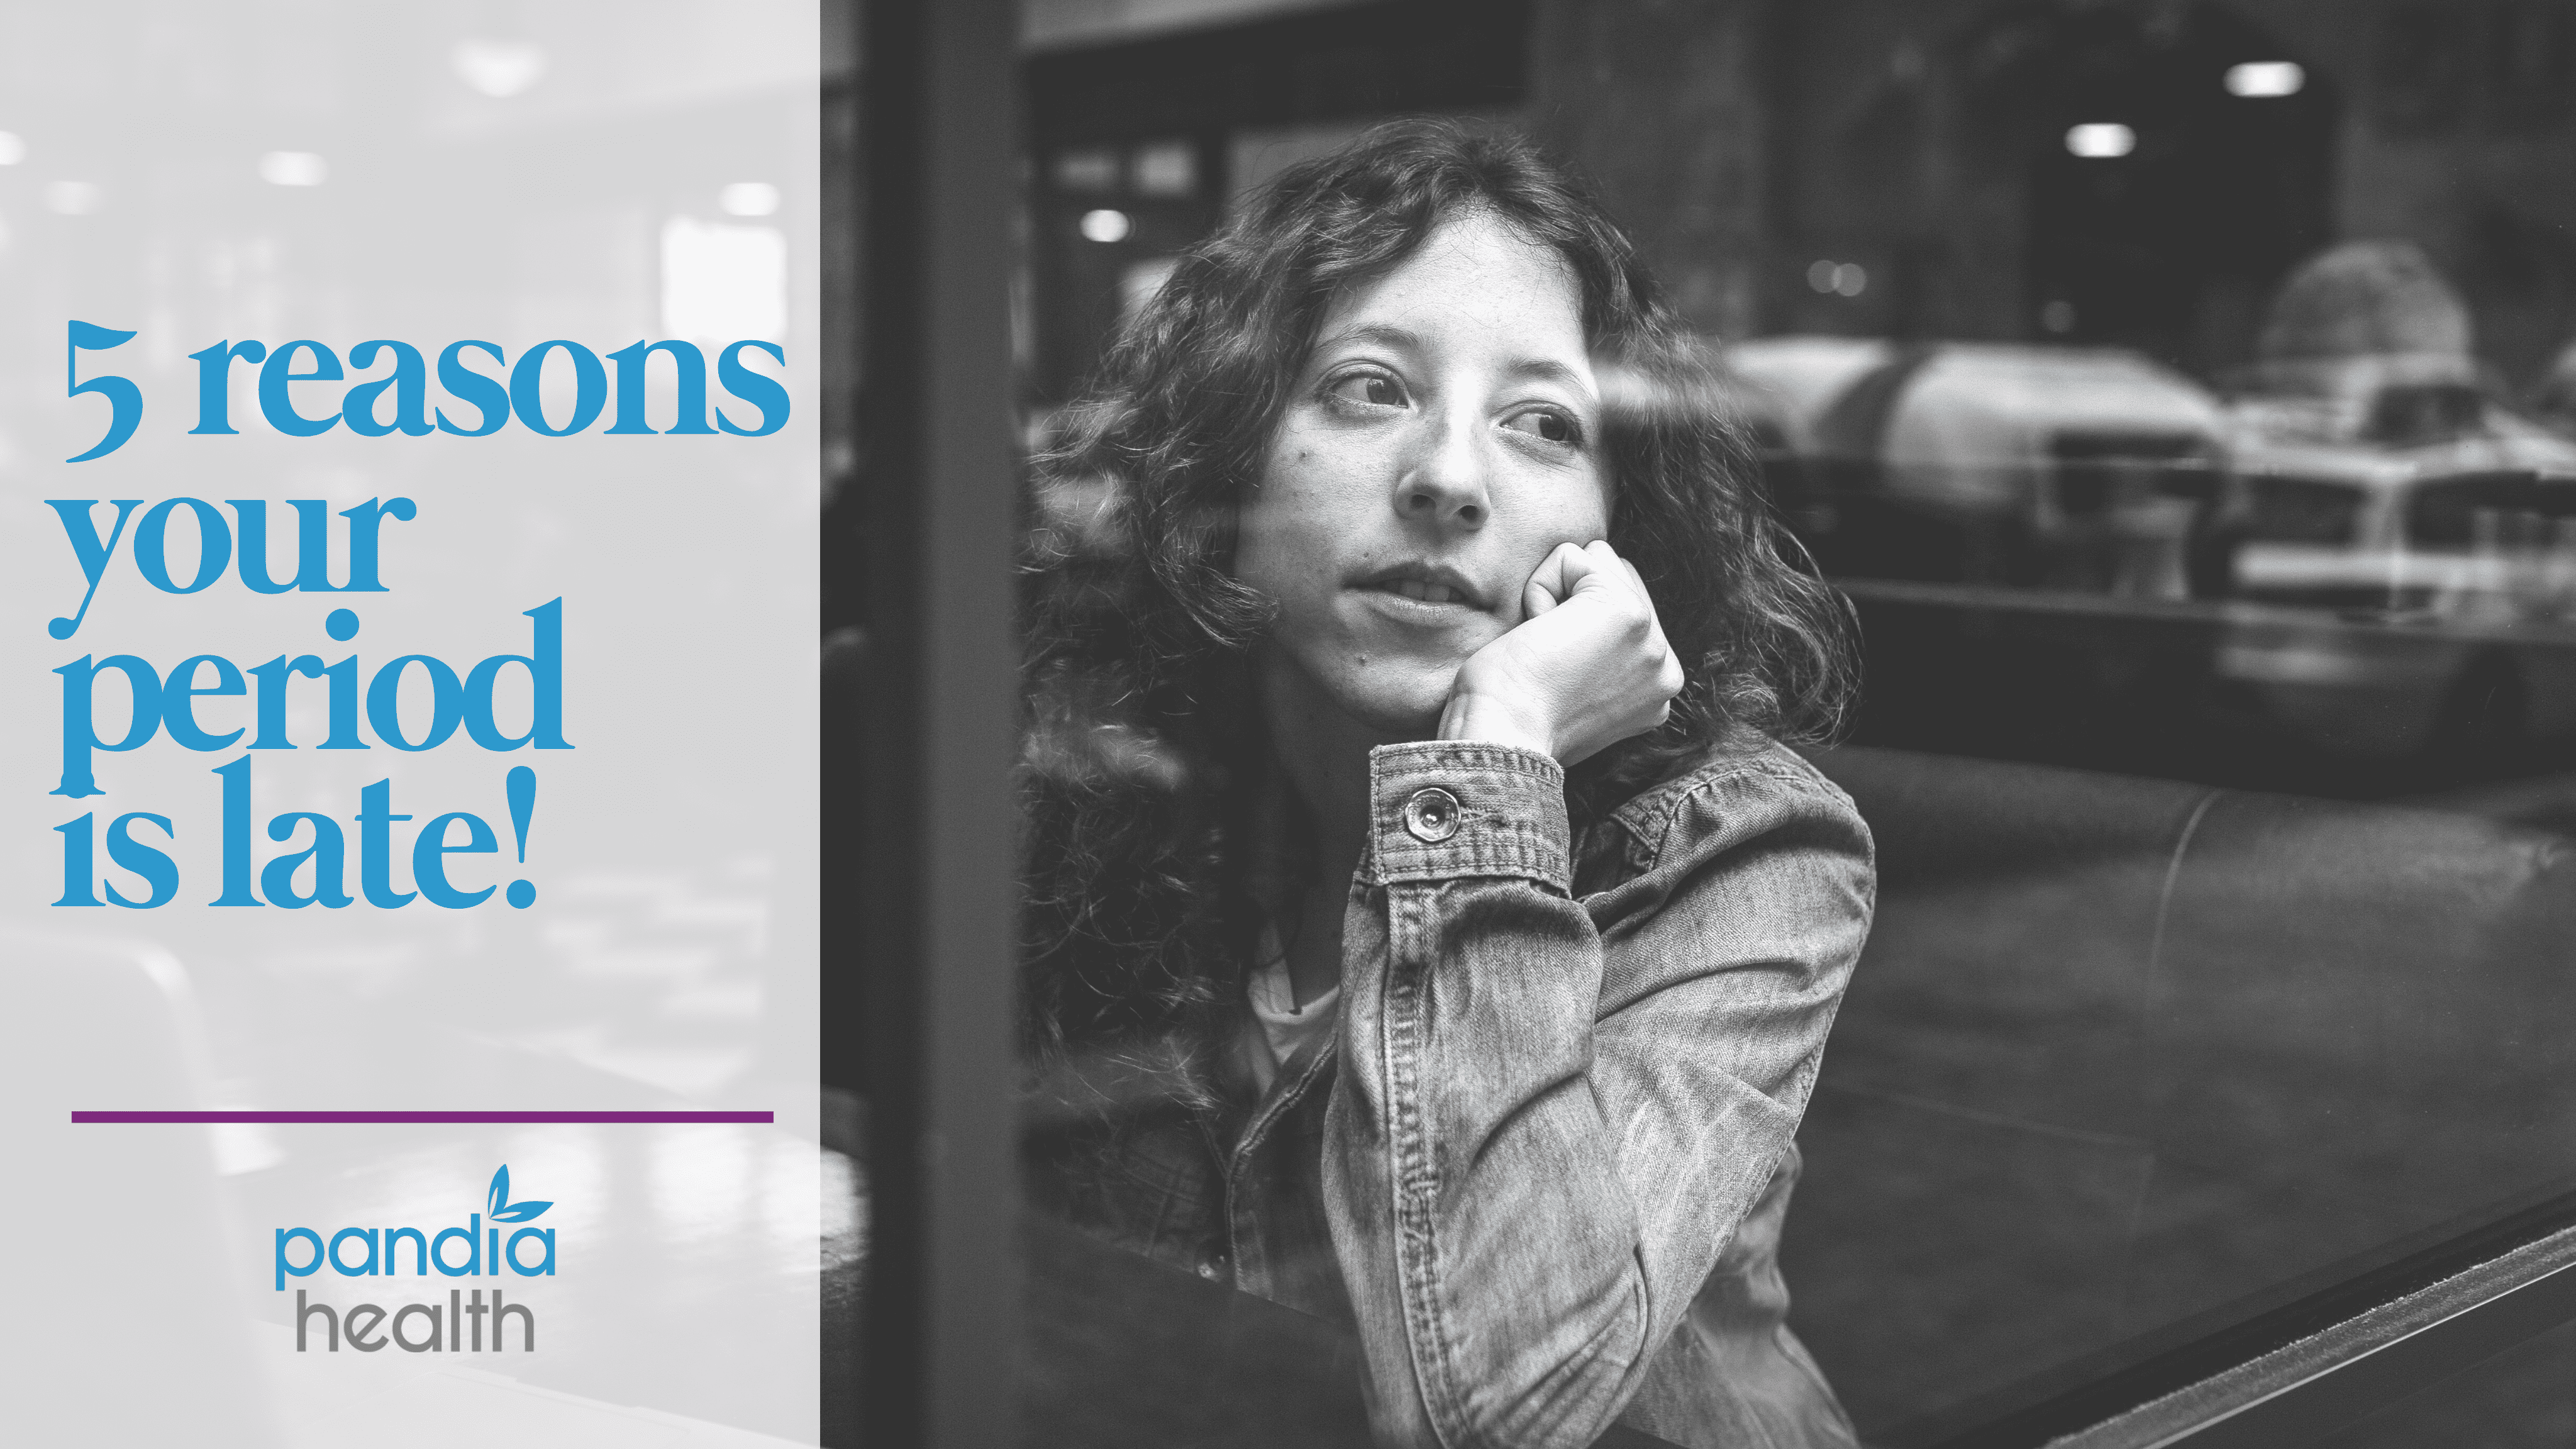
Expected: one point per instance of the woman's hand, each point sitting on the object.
(1586, 667)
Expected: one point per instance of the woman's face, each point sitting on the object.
(1442, 439)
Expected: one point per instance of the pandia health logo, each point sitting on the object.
(475, 1250)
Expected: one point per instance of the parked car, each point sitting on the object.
(2380, 565)
(2422, 550)
(2074, 468)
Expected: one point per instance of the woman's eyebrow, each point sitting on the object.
(1385, 334)
(1548, 369)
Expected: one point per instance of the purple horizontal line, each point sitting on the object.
(425, 1117)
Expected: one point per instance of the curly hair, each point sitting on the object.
(1145, 752)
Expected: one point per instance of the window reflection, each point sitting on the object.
(2185, 398)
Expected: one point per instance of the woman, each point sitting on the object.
(1427, 929)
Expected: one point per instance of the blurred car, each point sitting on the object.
(2075, 468)
(2377, 560)
(2423, 539)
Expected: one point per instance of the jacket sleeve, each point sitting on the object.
(1550, 1119)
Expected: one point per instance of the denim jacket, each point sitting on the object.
(1542, 1163)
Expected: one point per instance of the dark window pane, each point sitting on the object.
(2523, 1398)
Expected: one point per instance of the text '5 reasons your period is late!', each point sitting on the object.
(115, 702)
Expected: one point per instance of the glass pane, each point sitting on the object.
(2196, 452)
(2523, 1398)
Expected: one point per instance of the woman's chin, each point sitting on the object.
(1390, 697)
(1402, 708)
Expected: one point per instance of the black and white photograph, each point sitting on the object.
(1789, 723)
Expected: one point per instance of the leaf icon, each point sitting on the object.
(501, 1210)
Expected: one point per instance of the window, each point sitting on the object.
(2303, 510)
(2193, 456)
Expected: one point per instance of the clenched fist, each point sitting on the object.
(1585, 668)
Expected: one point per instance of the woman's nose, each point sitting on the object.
(1444, 479)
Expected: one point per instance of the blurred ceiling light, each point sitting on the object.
(12, 150)
(72, 198)
(1105, 225)
(498, 68)
(2260, 78)
(1166, 168)
(1087, 171)
(2101, 140)
(292, 168)
(1848, 279)
(748, 198)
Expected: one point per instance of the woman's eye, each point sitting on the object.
(1374, 388)
(1546, 424)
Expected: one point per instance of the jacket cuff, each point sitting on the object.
(1440, 809)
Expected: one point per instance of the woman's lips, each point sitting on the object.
(1428, 593)
(1433, 585)
(1438, 610)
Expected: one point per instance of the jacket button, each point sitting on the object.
(1431, 816)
